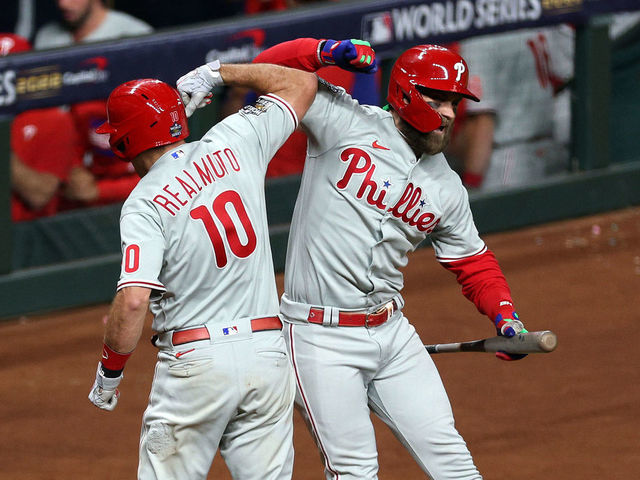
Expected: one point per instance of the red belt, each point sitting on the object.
(202, 333)
(356, 319)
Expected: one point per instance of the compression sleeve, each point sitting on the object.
(301, 53)
(483, 283)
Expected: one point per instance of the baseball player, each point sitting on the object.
(374, 186)
(196, 250)
(43, 143)
(509, 136)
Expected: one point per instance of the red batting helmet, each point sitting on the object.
(428, 66)
(10, 43)
(143, 114)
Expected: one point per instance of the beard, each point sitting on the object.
(72, 24)
(428, 143)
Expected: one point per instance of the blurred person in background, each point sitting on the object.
(507, 140)
(43, 149)
(97, 178)
(87, 21)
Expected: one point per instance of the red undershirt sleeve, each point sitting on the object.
(301, 53)
(483, 283)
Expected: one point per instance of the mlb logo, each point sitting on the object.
(230, 330)
(377, 28)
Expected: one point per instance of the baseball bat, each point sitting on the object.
(529, 342)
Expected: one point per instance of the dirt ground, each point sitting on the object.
(570, 414)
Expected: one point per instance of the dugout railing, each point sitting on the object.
(73, 258)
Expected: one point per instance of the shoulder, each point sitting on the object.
(123, 20)
(51, 35)
(449, 182)
(330, 95)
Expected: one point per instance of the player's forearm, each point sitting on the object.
(295, 86)
(483, 282)
(35, 188)
(126, 319)
(478, 137)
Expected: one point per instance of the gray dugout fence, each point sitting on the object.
(73, 259)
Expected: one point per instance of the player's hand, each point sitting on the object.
(195, 87)
(509, 326)
(354, 55)
(105, 393)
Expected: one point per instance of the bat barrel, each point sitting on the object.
(548, 341)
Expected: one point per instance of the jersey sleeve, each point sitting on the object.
(143, 248)
(334, 103)
(456, 236)
(259, 129)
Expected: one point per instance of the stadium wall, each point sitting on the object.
(73, 259)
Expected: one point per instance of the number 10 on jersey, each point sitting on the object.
(225, 203)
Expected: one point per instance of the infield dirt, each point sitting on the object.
(570, 414)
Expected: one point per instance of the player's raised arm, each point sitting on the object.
(298, 88)
(311, 54)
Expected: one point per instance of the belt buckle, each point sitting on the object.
(366, 319)
(388, 307)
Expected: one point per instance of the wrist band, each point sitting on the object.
(112, 360)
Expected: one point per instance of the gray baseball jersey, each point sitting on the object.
(195, 228)
(194, 231)
(365, 202)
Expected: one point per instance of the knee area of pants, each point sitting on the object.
(161, 440)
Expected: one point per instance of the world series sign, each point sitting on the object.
(89, 71)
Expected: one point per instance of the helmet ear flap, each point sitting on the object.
(429, 66)
(406, 99)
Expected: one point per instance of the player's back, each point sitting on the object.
(207, 200)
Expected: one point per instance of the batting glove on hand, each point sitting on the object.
(509, 326)
(105, 393)
(195, 87)
(354, 55)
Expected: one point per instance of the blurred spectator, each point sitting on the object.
(43, 149)
(97, 177)
(42, 152)
(507, 139)
(87, 21)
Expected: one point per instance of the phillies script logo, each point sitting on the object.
(408, 208)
